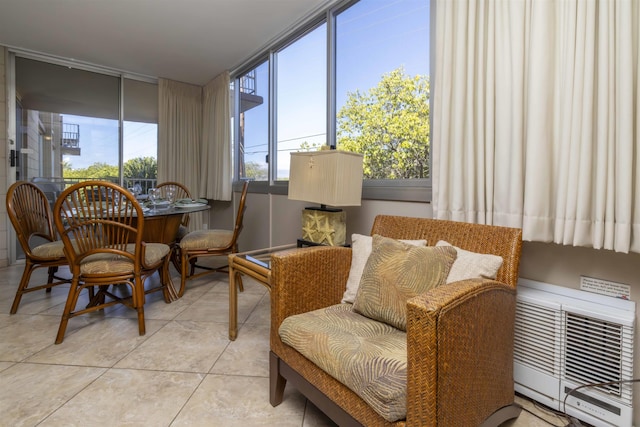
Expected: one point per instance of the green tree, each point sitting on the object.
(141, 167)
(96, 170)
(256, 171)
(389, 125)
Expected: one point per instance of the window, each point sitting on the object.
(140, 134)
(301, 92)
(70, 125)
(356, 76)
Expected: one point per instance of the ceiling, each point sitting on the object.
(191, 41)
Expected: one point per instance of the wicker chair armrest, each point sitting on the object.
(459, 352)
(307, 279)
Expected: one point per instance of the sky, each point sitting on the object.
(99, 141)
(374, 37)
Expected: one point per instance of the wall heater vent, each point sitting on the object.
(565, 338)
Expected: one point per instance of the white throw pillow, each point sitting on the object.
(360, 251)
(472, 265)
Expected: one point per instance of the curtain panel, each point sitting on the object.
(216, 161)
(535, 118)
(180, 136)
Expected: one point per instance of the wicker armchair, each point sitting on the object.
(459, 336)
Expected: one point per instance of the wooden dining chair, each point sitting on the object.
(101, 226)
(30, 215)
(180, 192)
(208, 243)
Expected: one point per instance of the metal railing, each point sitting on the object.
(58, 184)
(70, 135)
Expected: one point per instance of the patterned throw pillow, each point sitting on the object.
(360, 251)
(397, 271)
(472, 265)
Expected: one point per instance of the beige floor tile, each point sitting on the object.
(102, 343)
(185, 346)
(5, 365)
(26, 335)
(223, 400)
(214, 307)
(30, 392)
(261, 314)
(248, 354)
(128, 397)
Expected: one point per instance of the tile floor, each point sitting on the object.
(183, 372)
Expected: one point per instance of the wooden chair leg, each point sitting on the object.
(24, 282)
(184, 265)
(51, 277)
(70, 305)
(276, 381)
(138, 297)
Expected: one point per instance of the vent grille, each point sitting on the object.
(537, 338)
(598, 351)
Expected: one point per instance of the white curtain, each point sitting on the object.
(535, 118)
(216, 165)
(180, 136)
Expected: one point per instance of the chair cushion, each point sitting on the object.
(367, 356)
(204, 239)
(397, 271)
(109, 263)
(360, 251)
(472, 265)
(51, 250)
(154, 252)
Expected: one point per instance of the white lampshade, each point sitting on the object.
(328, 177)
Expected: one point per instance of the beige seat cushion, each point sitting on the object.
(49, 250)
(202, 239)
(108, 263)
(367, 356)
(397, 271)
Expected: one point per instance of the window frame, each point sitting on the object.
(409, 190)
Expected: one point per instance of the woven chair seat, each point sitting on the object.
(207, 239)
(50, 250)
(104, 262)
(368, 356)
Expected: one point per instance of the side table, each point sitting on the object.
(256, 264)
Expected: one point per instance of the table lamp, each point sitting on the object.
(330, 178)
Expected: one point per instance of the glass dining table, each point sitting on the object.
(161, 225)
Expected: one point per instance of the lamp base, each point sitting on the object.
(324, 226)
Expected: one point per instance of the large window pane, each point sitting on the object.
(302, 97)
(253, 124)
(382, 86)
(140, 134)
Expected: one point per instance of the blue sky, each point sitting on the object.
(99, 141)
